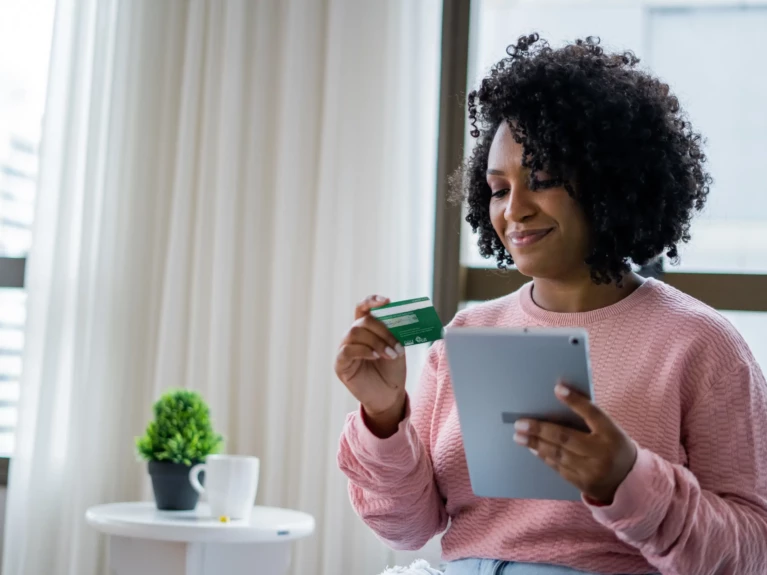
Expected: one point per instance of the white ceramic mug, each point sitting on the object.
(231, 482)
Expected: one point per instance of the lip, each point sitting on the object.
(524, 238)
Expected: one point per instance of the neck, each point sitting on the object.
(581, 294)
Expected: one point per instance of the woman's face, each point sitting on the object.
(545, 230)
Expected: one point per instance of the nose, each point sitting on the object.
(519, 205)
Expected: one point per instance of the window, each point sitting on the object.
(725, 265)
(728, 108)
(25, 36)
(725, 100)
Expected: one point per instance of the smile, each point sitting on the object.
(528, 237)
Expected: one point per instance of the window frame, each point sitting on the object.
(447, 281)
(12, 273)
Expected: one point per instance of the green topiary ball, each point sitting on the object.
(181, 431)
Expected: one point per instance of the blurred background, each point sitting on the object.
(194, 193)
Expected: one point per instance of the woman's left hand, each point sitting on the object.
(595, 462)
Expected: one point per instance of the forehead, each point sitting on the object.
(504, 151)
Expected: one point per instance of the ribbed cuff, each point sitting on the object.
(363, 439)
(640, 500)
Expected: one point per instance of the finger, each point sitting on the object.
(566, 437)
(361, 334)
(570, 475)
(595, 418)
(378, 328)
(357, 351)
(550, 451)
(371, 302)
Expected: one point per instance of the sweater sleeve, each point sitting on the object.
(391, 481)
(710, 518)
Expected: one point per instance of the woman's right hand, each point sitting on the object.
(371, 364)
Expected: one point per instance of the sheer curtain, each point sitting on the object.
(220, 181)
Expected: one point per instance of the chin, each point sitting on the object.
(534, 267)
(528, 268)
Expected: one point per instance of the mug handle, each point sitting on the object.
(194, 477)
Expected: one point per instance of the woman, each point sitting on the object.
(583, 165)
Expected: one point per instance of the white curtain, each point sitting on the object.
(220, 181)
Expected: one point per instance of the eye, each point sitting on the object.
(499, 194)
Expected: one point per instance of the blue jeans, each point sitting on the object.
(494, 567)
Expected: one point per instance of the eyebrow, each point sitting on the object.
(491, 172)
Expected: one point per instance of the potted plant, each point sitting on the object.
(179, 437)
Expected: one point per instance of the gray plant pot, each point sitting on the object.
(172, 490)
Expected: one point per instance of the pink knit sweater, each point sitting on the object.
(680, 381)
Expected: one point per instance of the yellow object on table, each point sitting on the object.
(224, 519)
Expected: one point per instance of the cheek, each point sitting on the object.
(578, 220)
(574, 223)
(496, 217)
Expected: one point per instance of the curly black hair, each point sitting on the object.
(612, 135)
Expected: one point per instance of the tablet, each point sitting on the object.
(501, 375)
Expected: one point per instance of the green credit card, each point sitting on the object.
(412, 321)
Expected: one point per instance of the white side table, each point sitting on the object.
(145, 541)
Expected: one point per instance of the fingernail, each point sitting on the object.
(521, 425)
(380, 298)
(533, 451)
(375, 355)
(400, 349)
(561, 390)
(521, 439)
(391, 353)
